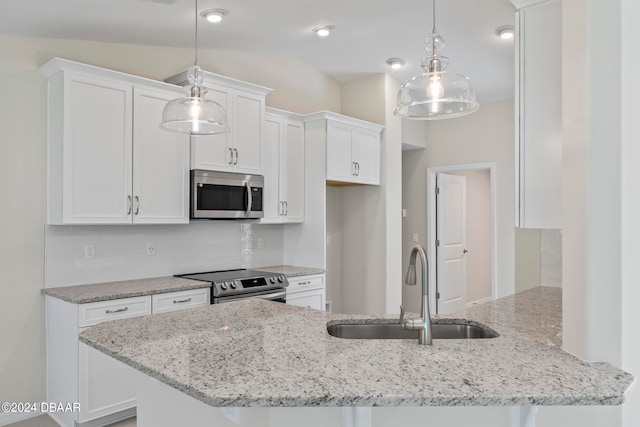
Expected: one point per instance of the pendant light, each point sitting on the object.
(194, 114)
(435, 93)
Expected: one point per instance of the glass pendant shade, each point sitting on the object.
(435, 93)
(195, 114)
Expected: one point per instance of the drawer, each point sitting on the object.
(179, 300)
(96, 312)
(303, 283)
(310, 299)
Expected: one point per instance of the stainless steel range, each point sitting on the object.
(232, 285)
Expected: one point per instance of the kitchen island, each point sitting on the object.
(258, 355)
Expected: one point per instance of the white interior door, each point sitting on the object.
(451, 263)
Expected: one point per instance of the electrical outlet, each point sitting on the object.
(328, 239)
(260, 243)
(415, 237)
(151, 249)
(327, 306)
(89, 251)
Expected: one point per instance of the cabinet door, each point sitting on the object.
(365, 153)
(273, 135)
(96, 151)
(107, 385)
(339, 164)
(214, 152)
(292, 171)
(247, 132)
(160, 162)
(539, 167)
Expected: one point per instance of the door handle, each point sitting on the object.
(129, 202)
(230, 156)
(235, 150)
(249, 199)
(357, 169)
(286, 208)
(137, 205)
(464, 251)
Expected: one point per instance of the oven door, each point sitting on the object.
(277, 295)
(224, 195)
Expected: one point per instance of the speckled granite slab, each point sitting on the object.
(260, 353)
(81, 294)
(291, 270)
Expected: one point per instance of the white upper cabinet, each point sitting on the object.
(284, 167)
(160, 162)
(353, 149)
(108, 160)
(240, 150)
(539, 116)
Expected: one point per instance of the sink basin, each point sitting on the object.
(373, 330)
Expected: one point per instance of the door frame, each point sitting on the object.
(432, 226)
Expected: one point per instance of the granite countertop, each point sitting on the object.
(80, 294)
(260, 353)
(292, 270)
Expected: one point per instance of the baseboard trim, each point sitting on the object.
(480, 301)
(7, 418)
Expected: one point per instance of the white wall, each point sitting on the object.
(527, 259)
(297, 87)
(600, 196)
(371, 222)
(486, 136)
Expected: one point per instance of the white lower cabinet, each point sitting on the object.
(104, 387)
(307, 291)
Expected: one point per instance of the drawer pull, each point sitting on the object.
(305, 283)
(117, 310)
(178, 301)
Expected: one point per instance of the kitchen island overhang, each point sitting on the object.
(261, 354)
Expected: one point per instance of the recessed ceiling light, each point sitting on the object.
(505, 33)
(323, 30)
(395, 63)
(213, 15)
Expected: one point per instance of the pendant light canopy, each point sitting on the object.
(435, 93)
(194, 114)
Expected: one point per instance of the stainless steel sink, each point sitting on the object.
(376, 330)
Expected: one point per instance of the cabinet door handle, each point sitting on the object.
(281, 208)
(357, 169)
(236, 151)
(286, 208)
(137, 205)
(117, 310)
(353, 168)
(178, 301)
(230, 156)
(129, 203)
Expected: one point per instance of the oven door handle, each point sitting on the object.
(249, 199)
(274, 295)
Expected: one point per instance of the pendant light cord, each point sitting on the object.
(196, 37)
(434, 30)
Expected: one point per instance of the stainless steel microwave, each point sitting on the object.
(226, 195)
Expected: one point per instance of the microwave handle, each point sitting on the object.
(249, 199)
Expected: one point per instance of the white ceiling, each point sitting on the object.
(367, 32)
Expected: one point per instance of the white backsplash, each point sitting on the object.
(551, 257)
(121, 250)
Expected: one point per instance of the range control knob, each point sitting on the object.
(272, 279)
(280, 279)
(233, 285)
(223, 286)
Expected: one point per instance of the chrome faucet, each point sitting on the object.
(423, 323)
